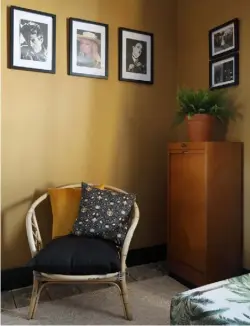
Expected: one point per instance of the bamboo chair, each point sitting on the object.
(40, 280)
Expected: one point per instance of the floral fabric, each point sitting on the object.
(222, 303)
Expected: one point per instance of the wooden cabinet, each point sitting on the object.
(205, 210)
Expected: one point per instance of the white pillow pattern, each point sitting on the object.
(104, 214)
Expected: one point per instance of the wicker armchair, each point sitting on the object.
(40, 280)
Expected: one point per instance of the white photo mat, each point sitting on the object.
(17, 61)
(134, 38)
(224, 39)
(92, 28)
(224, 71)
(219, 63)
(137, 37)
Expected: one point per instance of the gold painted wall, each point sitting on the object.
(195, 18)
(59, 129)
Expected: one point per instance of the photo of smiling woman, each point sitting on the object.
(88, 49)
(88, 54)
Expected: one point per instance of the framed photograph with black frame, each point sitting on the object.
(32, 40)
(224, 39)
(88, 49)
(135, 56)
(224, 72)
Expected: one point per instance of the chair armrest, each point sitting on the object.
(32, 228)
(135, 219)
(33, 233)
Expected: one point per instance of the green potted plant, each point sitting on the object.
(200, 108)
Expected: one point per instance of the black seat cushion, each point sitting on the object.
(77, 255)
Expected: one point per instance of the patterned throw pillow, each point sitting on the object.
(104, 214)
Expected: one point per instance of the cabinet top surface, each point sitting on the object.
(203, 145)
(206, 142)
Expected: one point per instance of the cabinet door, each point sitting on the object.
(187, 210)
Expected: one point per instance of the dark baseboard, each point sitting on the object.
(16, 278)
(146, 255)
(192, 286)
(19, 277)
(181, 280)
(245, 271)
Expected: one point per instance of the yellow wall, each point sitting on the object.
(195, 18)
(59, 129)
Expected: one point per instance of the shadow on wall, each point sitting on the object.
(44, 218)
(103, 131)
(221, 129)
(128, 133)
(7, 248)
(141, 131)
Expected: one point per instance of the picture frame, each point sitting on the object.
(88, 48)
(224, 39)
(224, 72)
(136, 59)
(32, 43)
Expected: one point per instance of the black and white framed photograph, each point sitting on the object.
(32, 40)
(224, 72)
(88, 49)
(135, 56)
(224, 39)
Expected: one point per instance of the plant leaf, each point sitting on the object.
(204, 101)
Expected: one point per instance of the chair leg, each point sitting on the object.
(36, 291)
(124, 295)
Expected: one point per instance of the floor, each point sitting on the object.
(150, 294)
(19, 298)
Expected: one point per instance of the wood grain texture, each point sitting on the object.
(189, 215)
(224, 209)
(205, 210)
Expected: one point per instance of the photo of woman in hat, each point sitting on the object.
(88, 45)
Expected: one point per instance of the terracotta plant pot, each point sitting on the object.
(200, 127)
